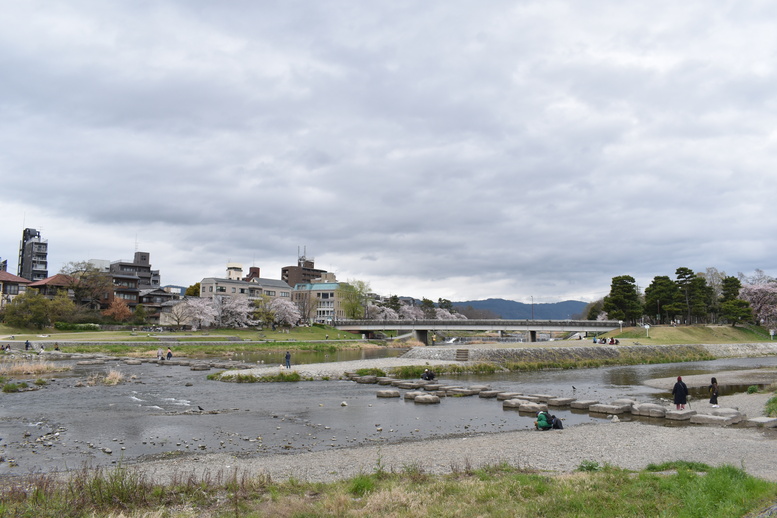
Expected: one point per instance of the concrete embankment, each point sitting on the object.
(592, 352)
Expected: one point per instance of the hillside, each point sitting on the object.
(512, 310)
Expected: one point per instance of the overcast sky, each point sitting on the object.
(454, 149)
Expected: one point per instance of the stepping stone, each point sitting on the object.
(199, 368)
(609, 409)
(480, 388)
(583, 404)
(413, 394)
(542, 397)
(711, 419)
(431, 387)
(488, 393)
(427, 399)
(385, 381)
(132, 362)
(532, 408)
(532, 398)
(648, 410)
(513, 403)
(730, 413)
(462, 392)
(408, 385)
(561, 401)
(762, 422)
(624, 401)
(366, 379)
(679, 415)
(507, 395)
(387, 393)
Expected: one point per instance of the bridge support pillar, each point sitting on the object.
(501, 333)
(422, 335)
(532, 336)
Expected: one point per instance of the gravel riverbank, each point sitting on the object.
(630, 445)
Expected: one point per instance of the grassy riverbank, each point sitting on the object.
(676, 489)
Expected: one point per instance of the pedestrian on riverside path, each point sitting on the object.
(714, 393)
(680, 393)
(288, 360)
(169, 354)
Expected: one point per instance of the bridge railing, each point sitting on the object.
(474, 322)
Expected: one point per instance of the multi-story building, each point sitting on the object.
(303, 273)
(33, 254)
(318, 300)
(10, 286)
(141, 267)
(3, 265)
(234, 285)
(50, 286)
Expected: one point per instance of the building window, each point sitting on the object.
(234, 290)
(270, 293)
(285, 294)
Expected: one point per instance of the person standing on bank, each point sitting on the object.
(288, 360)
(714, 393)
(169, 354)
(680, 393)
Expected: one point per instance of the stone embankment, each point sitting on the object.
(430, 392)
(591, 352)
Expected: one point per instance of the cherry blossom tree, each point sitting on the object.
(234, 311)
(762, 299)
(286, 312)
(411, 312)
(375, 312)
(203, 313)
(444, 314)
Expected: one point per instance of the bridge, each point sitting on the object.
(422, 328)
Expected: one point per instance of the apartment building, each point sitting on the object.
(318, 300)
(234, 285)
(33, 256)
(303, 273)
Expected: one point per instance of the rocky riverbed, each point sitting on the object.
(154, 423)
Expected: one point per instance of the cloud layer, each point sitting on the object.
(446, 149)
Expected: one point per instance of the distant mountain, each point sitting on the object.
(512, 310)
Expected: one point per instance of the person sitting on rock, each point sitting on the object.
(543, 421)
(427, 375)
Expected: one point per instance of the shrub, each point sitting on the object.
(10, 387)
(752, 389)
(69, 326)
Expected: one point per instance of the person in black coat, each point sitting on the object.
(680, 393)
(714, 393)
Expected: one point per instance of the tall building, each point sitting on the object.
(3, 265)
(305, 272)
(141, 267)
(33, 254)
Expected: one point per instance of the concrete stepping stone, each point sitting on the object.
(383, 380)
(584, 404)
(680, 415)
(366, 379)
(487, 394)
(762, 422)
(427, 399)
(711, 419)
(388, 393)
(648, 410)
(609, 409)
(542, 397)
(414, 394)
(531, 398)
(502, 396)
(560, 401)
(533, 408)
(480, 388)
(199, 368)
(513, 403)
(431, 387)
(462, 392)
(729, 413)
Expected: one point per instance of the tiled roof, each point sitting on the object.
(9, 277)
(59, 279)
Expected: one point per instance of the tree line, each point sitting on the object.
(709, 297)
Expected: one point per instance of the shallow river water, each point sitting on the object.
(151, 414)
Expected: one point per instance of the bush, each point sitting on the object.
(752, 389)
(69, 326)
(10, 387)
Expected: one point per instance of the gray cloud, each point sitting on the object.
(444, 150)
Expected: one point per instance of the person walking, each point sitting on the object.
(169, 354)
(680, 393)
(714, 393)
(288, 360)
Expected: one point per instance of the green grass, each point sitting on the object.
(771, 407)
(681, 490)
(282, 376)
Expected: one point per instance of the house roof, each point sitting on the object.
(9, 277)
(59, 279)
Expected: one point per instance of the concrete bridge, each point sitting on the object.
(422, 328)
